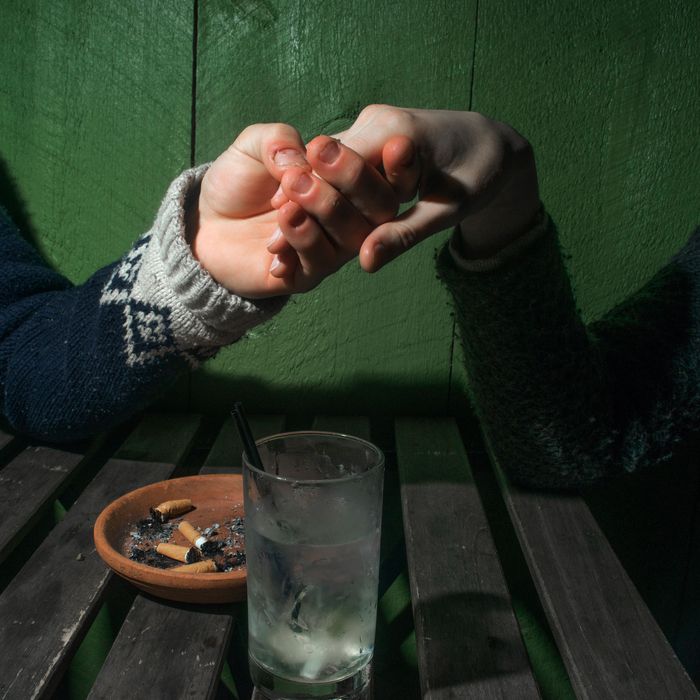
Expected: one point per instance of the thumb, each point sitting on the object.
(276, 146)
(389, 240)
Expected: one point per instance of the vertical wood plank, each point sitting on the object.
(606, 93)
(95, 115)
(315, 64)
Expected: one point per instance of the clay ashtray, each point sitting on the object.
(216, 498)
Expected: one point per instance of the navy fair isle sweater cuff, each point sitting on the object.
(170, 303)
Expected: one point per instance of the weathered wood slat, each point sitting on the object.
(192, 675)
(48, 606)
(27, 484)
(469, 644)
(610, 643)
(165, 650)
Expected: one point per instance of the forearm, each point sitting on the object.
(76, 360)
(564, 405)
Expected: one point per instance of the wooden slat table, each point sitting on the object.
(466, 637)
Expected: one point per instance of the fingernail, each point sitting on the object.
(275, 263)
(380, 256)
(302, 184)
(275, 237)
(286, 157)
(329, 153)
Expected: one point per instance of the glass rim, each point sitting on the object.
(299, 433)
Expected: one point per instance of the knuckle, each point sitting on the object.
(329, 206)
(354, 170)
(386, 210)
(405, 235)
(278, 129)
(393, 118)
(371, 111)
(247, 133)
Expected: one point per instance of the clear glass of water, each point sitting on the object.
(313, 519)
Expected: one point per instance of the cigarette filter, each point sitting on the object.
(201, 567)
(192, 534)
(171, 509)
(175, 551)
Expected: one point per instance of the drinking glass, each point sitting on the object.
(313, 519)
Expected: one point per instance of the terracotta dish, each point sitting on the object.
(215, 497)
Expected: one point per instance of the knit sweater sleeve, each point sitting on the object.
(564, 404)
(75, 360)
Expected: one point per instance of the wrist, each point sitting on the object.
(481, 238)
(510, 252)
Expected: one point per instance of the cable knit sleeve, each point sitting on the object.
(75, 360)
(564, 404)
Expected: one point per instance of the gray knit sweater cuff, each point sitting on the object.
(202, 315)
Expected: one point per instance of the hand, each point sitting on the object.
(325, 216)
(465, 168)
(232, 226)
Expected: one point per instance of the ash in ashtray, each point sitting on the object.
(151, 558)
(224, 543)
(231, 542)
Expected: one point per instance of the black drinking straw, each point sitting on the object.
(251, 451)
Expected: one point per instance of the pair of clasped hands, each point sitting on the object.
(277, 216)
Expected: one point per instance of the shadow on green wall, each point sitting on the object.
(374, 396)
(12, 201)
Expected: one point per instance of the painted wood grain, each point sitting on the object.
(95, 120)
(49, 605)
(609, 95)
(469, 644)
(359, 342)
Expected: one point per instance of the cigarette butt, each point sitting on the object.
(192, 534)
(201, 567)
(171, 509)
(175, 551)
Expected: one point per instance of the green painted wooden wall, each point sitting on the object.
(102, 104)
